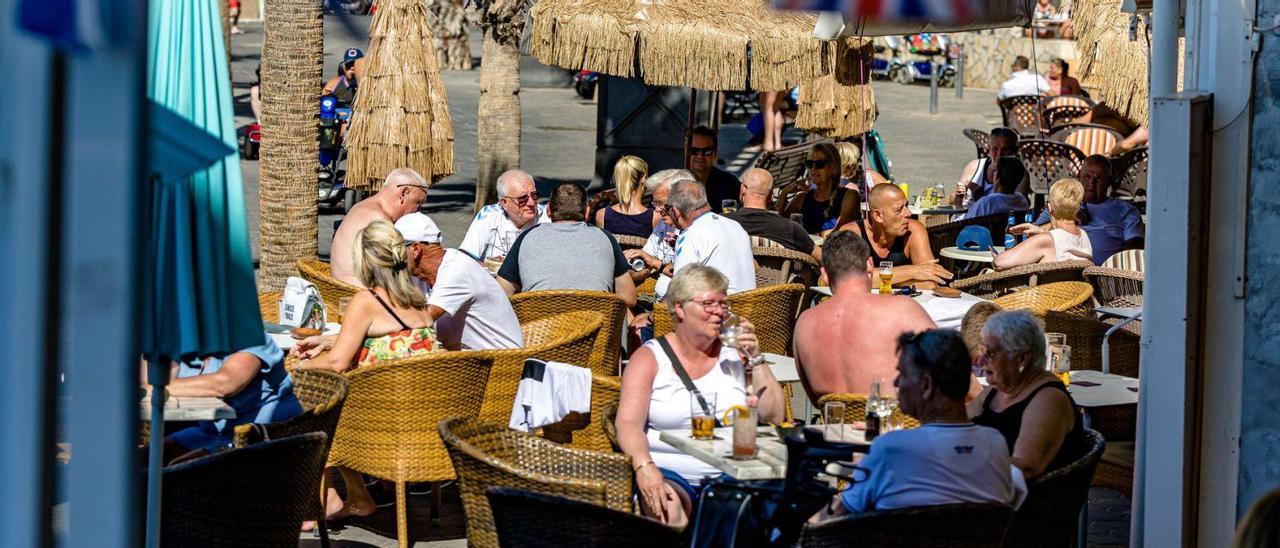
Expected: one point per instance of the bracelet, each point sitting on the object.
(642, 465)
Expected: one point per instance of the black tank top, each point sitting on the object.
(1009, 424)
(820, 216)
(640, 224)
(897, 250)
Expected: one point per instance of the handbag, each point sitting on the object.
(301, 305)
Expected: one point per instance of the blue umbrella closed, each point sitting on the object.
(200, 291)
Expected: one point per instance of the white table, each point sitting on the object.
(286, 341)
(771, 458)
(189, 408)
(958, 254)
(1110, 390)
(946, 314)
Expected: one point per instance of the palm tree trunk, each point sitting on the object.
(498, 122)
(453, 52)
(293, 50)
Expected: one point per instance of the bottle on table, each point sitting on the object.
(1009, 240)
(1027, 219)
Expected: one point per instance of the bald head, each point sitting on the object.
(403, 192)
(757, 184)
(403, 176)
(883, 194)
(889, 214)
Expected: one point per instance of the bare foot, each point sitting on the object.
(308, 526)
(336, 509)
(236, 30)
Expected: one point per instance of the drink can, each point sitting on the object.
(637, 264)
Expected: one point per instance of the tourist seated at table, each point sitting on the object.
(496, 226)
(852, 174)
(629, 216)
(1021, 81)
(948, 459)
(469, 309)
(893, 236)
(1113, 225)
(760, 221)
(978, 178)
(706, 238)
(1028, 405)
(841, 343)
(1064, 241)
(820, 200)
(1060, 80)
(655, 398)
(567, 253)
(1005, 198)
(403, 192)
(252, 381)
(704, 150)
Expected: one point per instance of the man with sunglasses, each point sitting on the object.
(709, 239)
(403, 192)
(720, 185)
(497, 226)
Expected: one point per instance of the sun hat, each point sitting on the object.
(417, 227)
(974, 238)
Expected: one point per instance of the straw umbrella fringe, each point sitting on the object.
(401, 116)
(707, 44)
(841, 104)
(1111, 65)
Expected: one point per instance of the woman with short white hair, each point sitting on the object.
(1028, 405)
(1064, 241)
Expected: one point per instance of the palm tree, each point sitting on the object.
(450, 26)
(498, 122)
(293, 51)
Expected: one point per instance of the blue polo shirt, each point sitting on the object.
(1109, 225)
(997, 203)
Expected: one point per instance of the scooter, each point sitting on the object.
(334, 115)
(250, 141)
(907, 71)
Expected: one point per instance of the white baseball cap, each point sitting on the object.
(416, 227)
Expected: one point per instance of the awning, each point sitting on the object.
(891, 17)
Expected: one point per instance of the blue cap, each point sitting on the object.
(974, 238)
(351, 55)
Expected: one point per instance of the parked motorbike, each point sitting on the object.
(906, 70)
(250, 141)
(334, 116)
(584, 83)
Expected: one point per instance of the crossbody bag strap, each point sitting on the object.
(684, 376)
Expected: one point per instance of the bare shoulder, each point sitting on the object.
(641, 365)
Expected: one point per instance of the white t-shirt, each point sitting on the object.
(658, 247)
(479, 315)
(1023, 83)
(720, 243)
(936, 464)
(1069, 247)
(492, 230)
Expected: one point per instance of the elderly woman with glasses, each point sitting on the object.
(1028, 405)
(656, 394)
(823, 202)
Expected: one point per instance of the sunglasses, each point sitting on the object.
(697, 151)
(521, 200)
(816, 164)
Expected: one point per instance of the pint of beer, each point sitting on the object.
(886, 277)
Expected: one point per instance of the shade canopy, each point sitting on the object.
(705, 44)
(842, 103)
(1114, 68)
(866, 18)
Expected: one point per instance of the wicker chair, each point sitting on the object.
(269, 305)
(1115, 469)
(532, 520)
(250, 496)
(388, 424)
(771, 309)
(1021, 113)
(1047, 161)
(1130, 170)
(981, 140)
(629, 242)
(490, 455)
(855, 409)
(1085, 336)
(779, 265)
(1061, 110)
(1115, 287)
(1050, 514)
(1130, 259)
(606, 356)
(332, 290)
(1072, 297)
(587, 431)
(574, 337)
(994, 284)
(1089, 138)
(945, 234)
(947, 526)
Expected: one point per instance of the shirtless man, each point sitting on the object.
(892, 235)
(403, 192)
(849, 340)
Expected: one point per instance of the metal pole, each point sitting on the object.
(933, 86)
(960, 73)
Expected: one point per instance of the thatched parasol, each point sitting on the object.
(705, 44)
(401, 116)
(840, 104)
(1114, 68)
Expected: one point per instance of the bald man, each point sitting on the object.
(894, 236)
(403, 192)
(761, 222)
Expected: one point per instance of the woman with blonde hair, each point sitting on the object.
(823, 203)
(629, 216)
(852, 175)
(1064, 241)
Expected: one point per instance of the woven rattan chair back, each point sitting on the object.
(1047, 161)
(251, 496)
(1021, 113)
(1063, 109)
(995, 284)
(322, 394)
(573, 343)
(1072, 297)
(779, 265)
(586, 431)
(771, 309)
(1115, 287)
(489, 455)
(949, 525)
(1050, 514)
(855, 409)
(626, 241)
(1129, 259)
(606, 355)
(269, 305)
(981, 140)
(1130, 172)
(1089, 138)
(944, 235)
(332, 290)
(525, 519)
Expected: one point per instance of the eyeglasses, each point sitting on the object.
(699, 151)
(816, 164)
(521, 200)
(711, 307)
(414, 185)
(660, 208)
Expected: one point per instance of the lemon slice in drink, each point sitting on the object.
(729, 413)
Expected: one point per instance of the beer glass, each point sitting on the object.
(728, 206)
(886, 277)
(833, 419)
(1058, 356)
(703, 421)
(744, 433)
